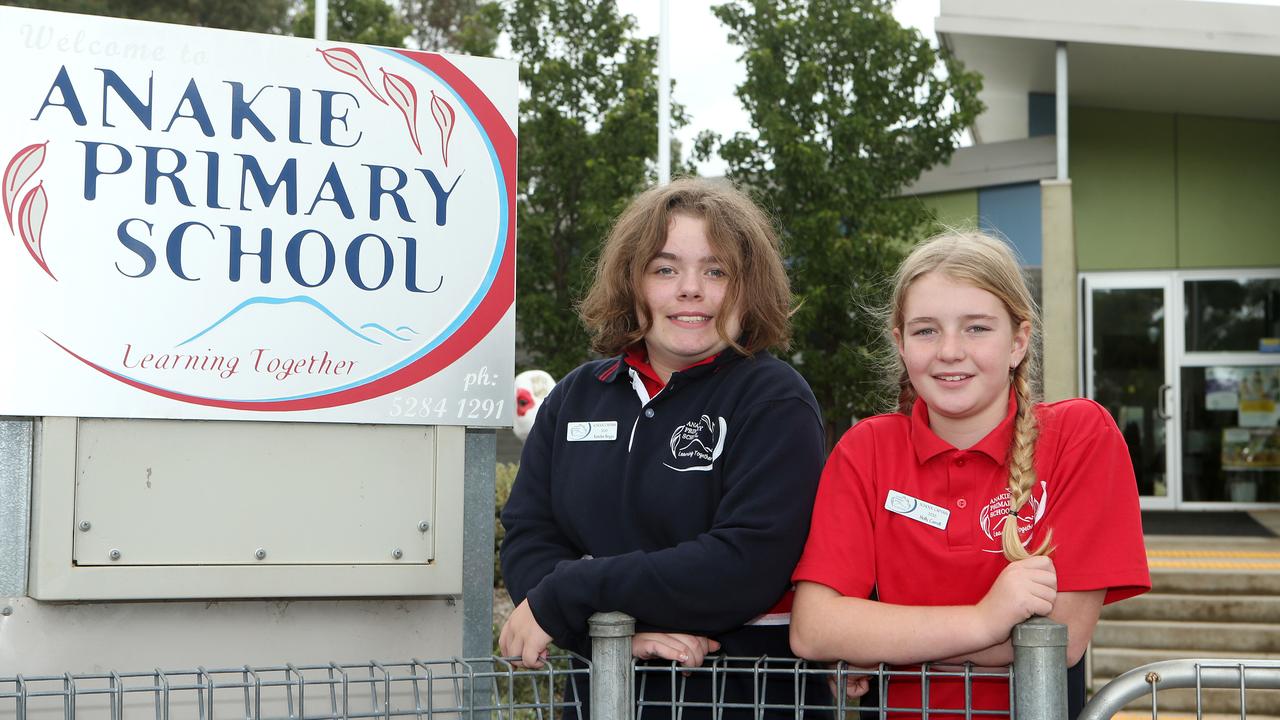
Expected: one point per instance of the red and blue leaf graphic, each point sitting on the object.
(348, 63)
(442, 112)
(405, 98)
(31, 216)
(16, 174)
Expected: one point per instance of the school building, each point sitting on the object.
(1130, 150)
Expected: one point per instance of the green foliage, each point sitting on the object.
(270, 16)
(465, 26)
(505, 477)
(370, 22)
(847, 108)
(588, 137)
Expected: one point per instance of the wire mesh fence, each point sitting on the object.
(495, 689)
(613, 686)
(489, 688)
(1223, 687)
(455, 689)
(1034, 688)
(730, 687)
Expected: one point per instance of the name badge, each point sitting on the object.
(917, 510)
(601, 430)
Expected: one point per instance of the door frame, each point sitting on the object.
(1220, 359)
(1164, 281)
(1176, 358)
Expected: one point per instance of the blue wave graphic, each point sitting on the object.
(285, 301)
(485, 285)
(376, 326)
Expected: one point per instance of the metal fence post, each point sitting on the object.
(612, 672)
(1040, 670)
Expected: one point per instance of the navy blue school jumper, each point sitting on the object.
(687, 510)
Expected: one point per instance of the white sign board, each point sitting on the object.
(210, 224)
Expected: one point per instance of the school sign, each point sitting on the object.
(211, 224)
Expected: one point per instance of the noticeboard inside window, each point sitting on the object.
(1250, 449)
(1253, 392)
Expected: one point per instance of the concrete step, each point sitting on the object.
(1141, 715)
(1258, 704)
(1164, 635)
(1197, 607)
(1145, 714)
(1214, 581)
(1108, 662)
(1229, 543)
(1210, 598)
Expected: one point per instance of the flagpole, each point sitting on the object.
(322, 20)
(664, 95)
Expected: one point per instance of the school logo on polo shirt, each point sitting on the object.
(696, 444)
(996, 513)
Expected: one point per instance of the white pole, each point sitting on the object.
(1060, 108)
(664, 96)
(322, 20)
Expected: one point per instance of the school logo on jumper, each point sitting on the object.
(996, 513)
(696, 444)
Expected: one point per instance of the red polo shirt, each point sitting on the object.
(1085, 492)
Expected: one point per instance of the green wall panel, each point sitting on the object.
(1228, 192)
(952, 209)
(1122, 184)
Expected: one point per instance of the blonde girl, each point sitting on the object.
(972, 506)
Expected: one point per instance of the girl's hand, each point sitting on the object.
(1024, 588)
(855, 686)
(688, 650)
(522, 636)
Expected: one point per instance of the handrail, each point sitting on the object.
(1197, 673)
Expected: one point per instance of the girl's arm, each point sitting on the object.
(826, 625)
(1077, 610)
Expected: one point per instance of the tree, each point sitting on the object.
(466, 26)
(370, 22)
(588, 136)
(270, 16)
(847, 107)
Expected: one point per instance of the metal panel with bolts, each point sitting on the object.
(130, 509)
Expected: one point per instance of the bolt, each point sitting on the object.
(115, 554)
(6, 611)
(397, 553)
(424, 526)
(84, 526)
(260, 554)
(1153, 678)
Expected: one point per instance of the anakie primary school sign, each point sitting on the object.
(210, 224)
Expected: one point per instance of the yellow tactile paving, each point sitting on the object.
(1214, 559)
(1212, 565)
(1213, 554)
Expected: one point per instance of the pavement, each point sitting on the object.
(1206, 552)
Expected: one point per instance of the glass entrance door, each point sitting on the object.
(1229, 382)
(1127, 369)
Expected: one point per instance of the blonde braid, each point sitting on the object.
(986, 263)
(1022, 473)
